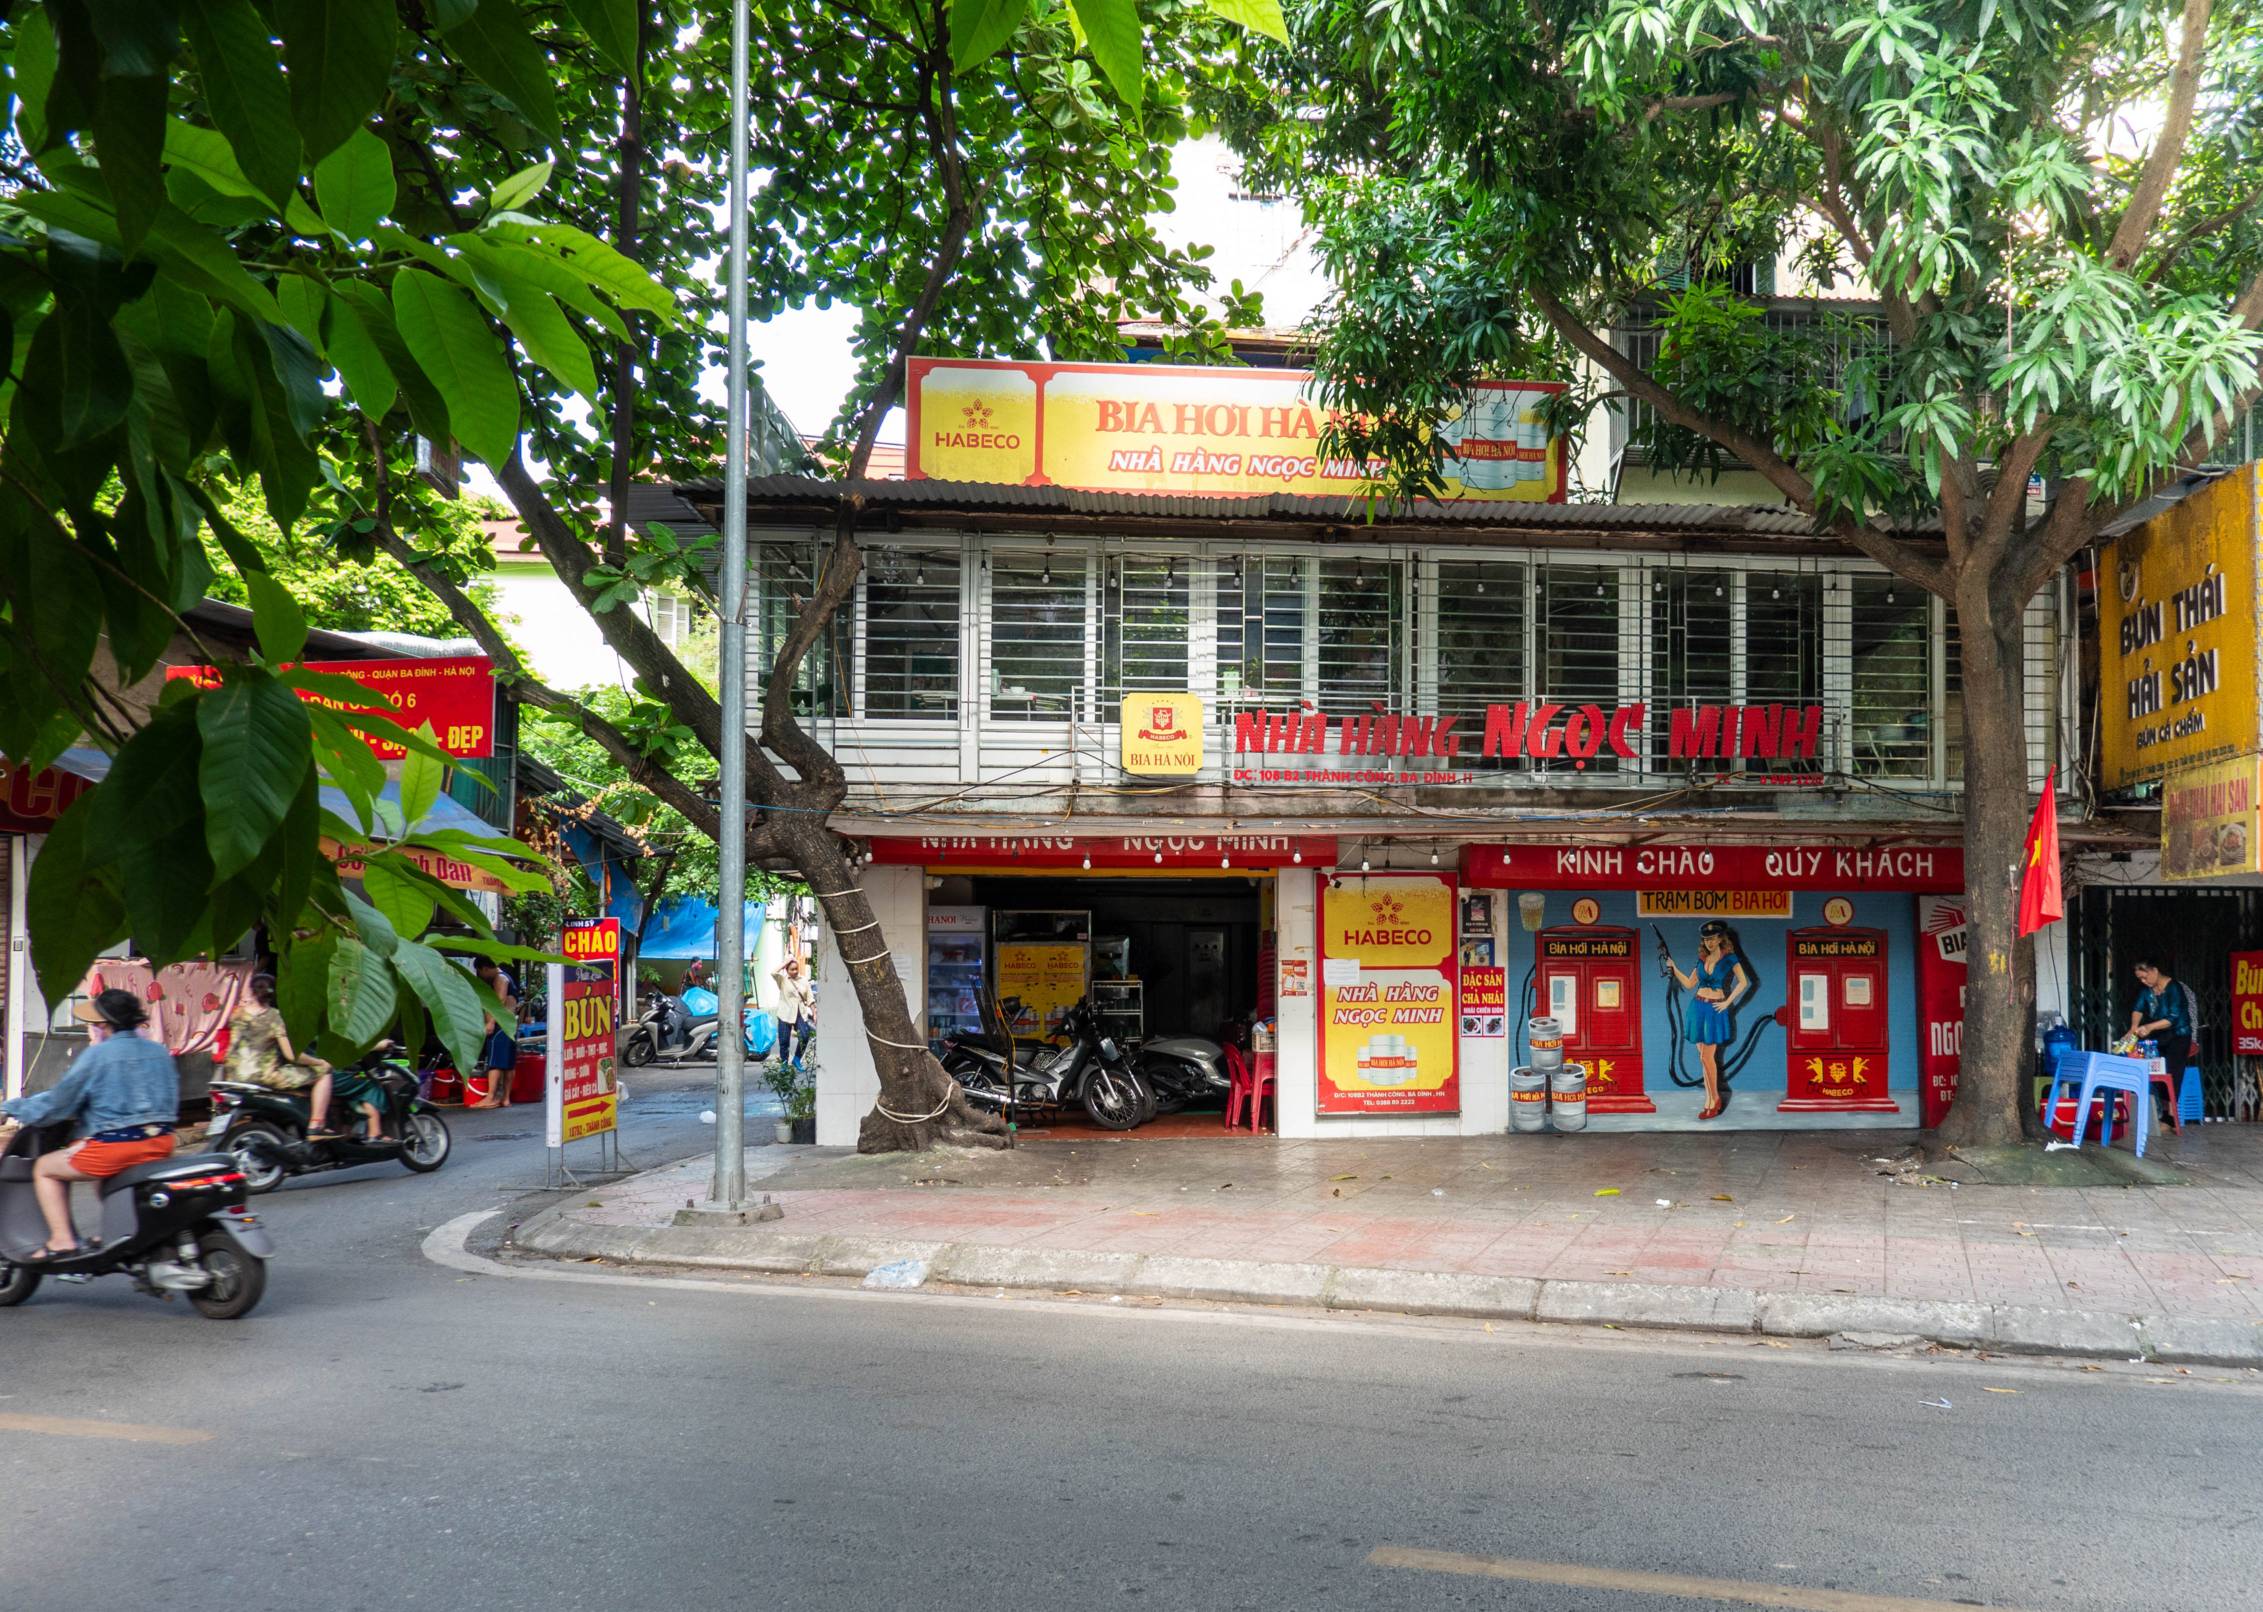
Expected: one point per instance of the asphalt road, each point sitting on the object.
(391, 1431)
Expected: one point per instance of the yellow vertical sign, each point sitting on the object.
(1162, 735)
(2178, 658)
(1388, 1015)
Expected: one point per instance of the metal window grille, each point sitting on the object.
(1891, 697)
(1484, 621)
(785, 575)
(1578, 641)
(1038, 656)
(911, 633)
(1146, 615)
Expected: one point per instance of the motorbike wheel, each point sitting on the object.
(1115, 1102)
(259, 1151)
(238, 1279)
(425, 1142)
(636, 1052)
(1149, 1102)
(17, 1283)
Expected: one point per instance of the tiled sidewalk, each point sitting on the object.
(1804, 1213)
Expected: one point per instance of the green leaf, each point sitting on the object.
(302, 847)
(129, 139)
(445, 988)
(1111, 27)
(421, 777)
(347, 758)
(254, 756)
(427, 408)
(207, 154)
(360, 995)
(33, 75)
(1258, 16)
(519, 189)
(495, 44)
(355, 185)
(245, 91)
(199, 256)
(340, 53)
(149, 823)
(980, 28)
(361, 366)
(276, 618)
(73, 908)
(302, 985)
(406, 904)
(458, 353)
(494, 260)
(612, 28)
(376, 930)
(596, 262)
(67, 625)
(549, 339)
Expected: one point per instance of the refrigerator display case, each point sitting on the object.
(958, 939)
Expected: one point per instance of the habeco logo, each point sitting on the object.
(976, 430)
(1387, 925)
(1162, 725)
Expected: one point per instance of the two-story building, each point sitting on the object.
(1120, 721)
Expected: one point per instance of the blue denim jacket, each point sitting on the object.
(124, 1081)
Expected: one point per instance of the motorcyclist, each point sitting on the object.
(123, 1097)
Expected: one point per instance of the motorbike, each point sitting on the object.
(667, 1032)
(1089, 1068)
(1182, 1070)
(265, 1131)
(175, 1226)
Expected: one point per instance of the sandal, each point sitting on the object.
(1711, 1110)
(44, 1255)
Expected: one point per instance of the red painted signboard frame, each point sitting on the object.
(1910, 868)
(1109, 851)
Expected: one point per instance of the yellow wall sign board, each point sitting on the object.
(2178, 618)
(1048, 977)
(1388, 1026)
(1714, 903)
(1172, 428)
(1162, 735)
(2209, 820)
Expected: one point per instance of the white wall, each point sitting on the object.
(1296, 1055)
(847, 1079)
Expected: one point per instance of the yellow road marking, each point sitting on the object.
(75, 1427)
(1573, 1576)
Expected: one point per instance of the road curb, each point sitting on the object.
(2025, 1329)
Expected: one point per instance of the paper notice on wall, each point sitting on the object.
(1296, 977)
(1339, 971)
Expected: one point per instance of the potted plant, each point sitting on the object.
(796, 1091)
(801, 1107)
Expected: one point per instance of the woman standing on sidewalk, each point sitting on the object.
(1718, 983)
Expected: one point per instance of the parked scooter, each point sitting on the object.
(265, 1130)
(1183, 1069)
(668, 1032)
(1090, 1068)
(175, 1226)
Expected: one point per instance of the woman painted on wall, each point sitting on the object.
(1718, 983)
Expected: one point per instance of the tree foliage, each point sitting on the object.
(334, 245)
(2054, 206)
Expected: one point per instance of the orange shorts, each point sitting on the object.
(100, 1159)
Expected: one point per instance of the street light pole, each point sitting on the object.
(729, 1188)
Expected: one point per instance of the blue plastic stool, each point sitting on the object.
(2190, 1105)
(2102, 1071)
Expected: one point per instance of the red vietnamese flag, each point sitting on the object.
(2040, 899)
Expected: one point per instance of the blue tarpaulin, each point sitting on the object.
(683, 927)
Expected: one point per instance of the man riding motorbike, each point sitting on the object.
(123, 1096)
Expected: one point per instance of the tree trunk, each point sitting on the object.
(919, 1105)
(1999, 1001)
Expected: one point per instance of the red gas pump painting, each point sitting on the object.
(1835, 1023)
(1589, 983)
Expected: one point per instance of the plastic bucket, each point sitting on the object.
(1528, 1099)
(1567, 1097)
(1546, 1038)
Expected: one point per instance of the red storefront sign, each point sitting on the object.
(1941, 960)
(1714, 867)
(454, 694)
(1541, 731)
(2247, 1004)
(1111, 851)
(591, 940)
(31, 801)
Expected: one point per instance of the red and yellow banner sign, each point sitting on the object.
(591, 940)
(1162, 735)
(454, 694)
(1388, 1042)
(588, 1100)
(2209, 823)
(352, 859)
(1171, 428)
